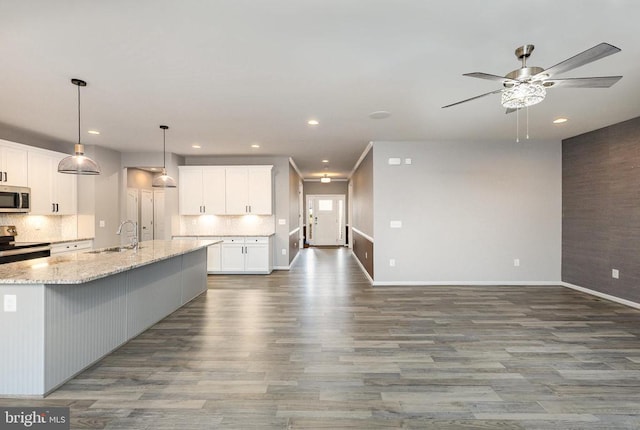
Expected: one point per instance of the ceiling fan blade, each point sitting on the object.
(510, 110)
(595, 82)
(473, 98)
(488, 76)
(597, 52)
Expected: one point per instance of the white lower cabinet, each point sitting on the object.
(79, 245)
(213, 255)
(246, 255)
(237, 254)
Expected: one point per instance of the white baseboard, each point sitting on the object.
(362, 267)
(290, 264)
(602, 295)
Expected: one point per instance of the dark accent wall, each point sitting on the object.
(295, 217)
(362, 212)
(601, 210)
(363, 249)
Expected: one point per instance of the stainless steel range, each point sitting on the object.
(11, 251)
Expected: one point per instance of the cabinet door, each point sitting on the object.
(233, 257)
(14, 166)
(237, 190)
(213, 179)
(214, 258)
(65, 191)
(259, 188)
(256, 258)
(190, 191)
(40, 180)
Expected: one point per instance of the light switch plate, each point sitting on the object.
(282, 221)
(407, 161)
(284, 251)
(102, 224)
(10, 303)
(615, 273)
(395, 161)
(395, 224)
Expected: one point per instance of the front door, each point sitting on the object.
(326, 216)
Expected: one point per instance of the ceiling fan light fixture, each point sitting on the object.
(524, 94)
(163, 180)
(78, 164)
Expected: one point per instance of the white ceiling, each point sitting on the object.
(227, 74)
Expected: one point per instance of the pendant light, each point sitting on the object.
(78, 164)
(164, 180)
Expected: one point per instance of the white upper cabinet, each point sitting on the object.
(201, 190)
(13, 164)
(213, 181)
(225, 190)
(52, 193)
(248, 190)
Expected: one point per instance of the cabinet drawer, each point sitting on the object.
(256, 240)
(233, 239)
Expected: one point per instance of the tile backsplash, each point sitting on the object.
(227, 225)
(41, 228)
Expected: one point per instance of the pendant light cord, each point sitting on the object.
(79, 114)
(164, 149)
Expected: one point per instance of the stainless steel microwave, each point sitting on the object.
(15, 199)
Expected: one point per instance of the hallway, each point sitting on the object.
(318, 347)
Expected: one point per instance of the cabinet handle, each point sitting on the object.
(204, 209)
(249, 208)
(57, 207)
(53, 207)
(5, 177)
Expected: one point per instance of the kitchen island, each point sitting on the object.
(62, 313)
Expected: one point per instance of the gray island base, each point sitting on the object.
(71, 311)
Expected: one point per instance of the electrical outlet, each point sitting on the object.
(102, 223)
(284, 251)
(407, 161)
(516, 262)
(615, 273)
(365, 255)
(10, 303)
(392, 262)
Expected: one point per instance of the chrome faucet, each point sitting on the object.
(133, 238)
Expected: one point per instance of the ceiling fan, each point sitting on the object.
(528, 85)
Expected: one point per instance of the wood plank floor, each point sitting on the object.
(317, 347)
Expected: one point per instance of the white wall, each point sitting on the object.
(99, 195)
(468, 209)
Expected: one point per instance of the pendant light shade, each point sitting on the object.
(163, 180)
(78, 164)
(325, 179)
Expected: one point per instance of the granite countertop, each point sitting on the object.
(81, 267)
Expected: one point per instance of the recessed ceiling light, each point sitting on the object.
(313, 122)
(560, 120)
(380, 114)
(325, 161)
(196, 146)
(255, 145)
(93, 132)
(153, 169)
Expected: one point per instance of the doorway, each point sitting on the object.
(326, 219)
(146, 215)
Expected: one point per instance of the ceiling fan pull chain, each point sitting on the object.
(527, 122)
(517, 126)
